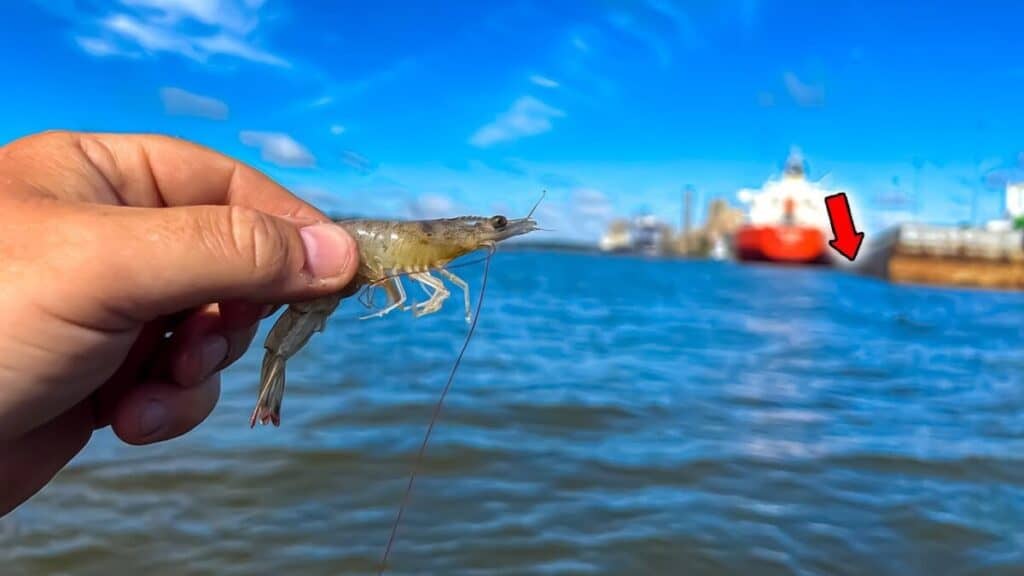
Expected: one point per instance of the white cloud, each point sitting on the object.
(278, 148)
(149, 37)
(195, 29)
(233, 46)
(528, 116)
(431, 206)
(217, 13)
(183, 103)
(337, 129)
(804, 94)
(97, 46)
(543, 81)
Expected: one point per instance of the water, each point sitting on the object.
(612, 416)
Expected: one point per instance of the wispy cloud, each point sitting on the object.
(180, 102)
(323, 199)
(592, 204)
(337, 129)
(194, 29)
(804, 94)
(375, 80)
(229, 45)
(232, 16)
(579, 43)
(543, 81)
(999, 178)
(149, 37)
(97, 46)
(581, 215)
(278, 148)
(321, 102)
(662, 26)
(528, 116)
(357, 162)
(627, 23)
(681, 21)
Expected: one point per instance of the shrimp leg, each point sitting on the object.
(396, 294)
(461, 284)
(366, 298)
(437, 298)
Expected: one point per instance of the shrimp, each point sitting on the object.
(387, 250)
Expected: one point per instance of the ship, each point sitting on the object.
(786, 222)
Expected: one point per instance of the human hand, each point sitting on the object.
(107, 244)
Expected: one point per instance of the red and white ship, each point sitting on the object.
(787, 221)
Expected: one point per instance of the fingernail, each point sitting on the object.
(153, 418)
(212, 353)
(329, 250)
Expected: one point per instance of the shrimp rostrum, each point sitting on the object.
(388, 250)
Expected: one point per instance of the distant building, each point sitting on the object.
(722, 223)
(1014, 209)
(647, 232)
(1015, 200)
(617, 238)
(644, 234)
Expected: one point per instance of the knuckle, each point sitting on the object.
(256, 239)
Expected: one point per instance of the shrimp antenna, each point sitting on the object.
(542, 194)
(437, 410)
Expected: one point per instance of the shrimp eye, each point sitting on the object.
(499, 222)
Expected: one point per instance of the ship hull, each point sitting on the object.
(781, 244)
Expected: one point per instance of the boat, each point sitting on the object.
(786, 221)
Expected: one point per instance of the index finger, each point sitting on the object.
(150, 170)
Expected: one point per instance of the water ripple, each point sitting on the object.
(612, 416)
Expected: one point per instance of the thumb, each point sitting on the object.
(163, 260)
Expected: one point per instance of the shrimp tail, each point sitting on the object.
(268, 405)
(290, 333)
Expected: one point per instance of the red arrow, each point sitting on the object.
(847, 239)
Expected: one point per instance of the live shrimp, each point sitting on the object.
(388, 250)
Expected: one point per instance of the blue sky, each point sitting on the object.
(403, 109)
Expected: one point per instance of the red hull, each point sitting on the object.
(787, 244)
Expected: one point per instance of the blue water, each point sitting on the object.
(613, 415)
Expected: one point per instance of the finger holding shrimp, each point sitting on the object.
(110, 241)
(211, 340)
